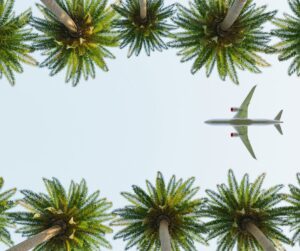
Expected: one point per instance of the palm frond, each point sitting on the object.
(5, 218)
(287, 31)
(293, 211)
(15, 41)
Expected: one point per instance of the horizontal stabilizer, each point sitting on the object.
(278, 127)
(278, 117)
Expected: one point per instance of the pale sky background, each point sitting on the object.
(145, 115)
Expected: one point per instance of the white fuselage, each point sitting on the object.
(243, 122)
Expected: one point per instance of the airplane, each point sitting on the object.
(240, 122)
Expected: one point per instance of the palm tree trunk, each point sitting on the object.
(61, 15)
(36, 240)
(143, 9)
(164, 235)
(265, 243)
(232, 14)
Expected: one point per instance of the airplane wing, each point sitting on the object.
(243, 113)
(243, 131)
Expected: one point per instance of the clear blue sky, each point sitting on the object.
(145, 115)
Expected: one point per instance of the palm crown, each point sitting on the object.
(138, 33)
(293, 211)
(78, 51)
(15, 39)
(237, 204)
(288, 32)
(81, 217)
(202, 40)
(5, 219)
(172, 202)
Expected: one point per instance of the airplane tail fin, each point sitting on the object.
(278, 118)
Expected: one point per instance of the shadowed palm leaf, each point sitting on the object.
(203, 41)
(14, 41)
(288, 31)
(293, 211)
(79, 51)
(81, 217)
(5, 219)
(236, 205)
(172, 202)
(138, 33)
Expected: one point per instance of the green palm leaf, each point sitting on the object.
(80, 215)
(5, 218)
(293, 211)
(15, 38)
(173, 202)
(287, 31)
(202, 40)
(77, 52)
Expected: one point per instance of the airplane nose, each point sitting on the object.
(207, 121)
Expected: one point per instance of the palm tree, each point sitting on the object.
(227, 34)
(15, 38)
(143, 24)
(293, 211)
(288, 32)
(164, 216)
(5, 220)
(81, 50)
(245, 215)
(61, 220)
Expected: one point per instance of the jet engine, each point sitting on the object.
(235, 109)
(234, 135)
